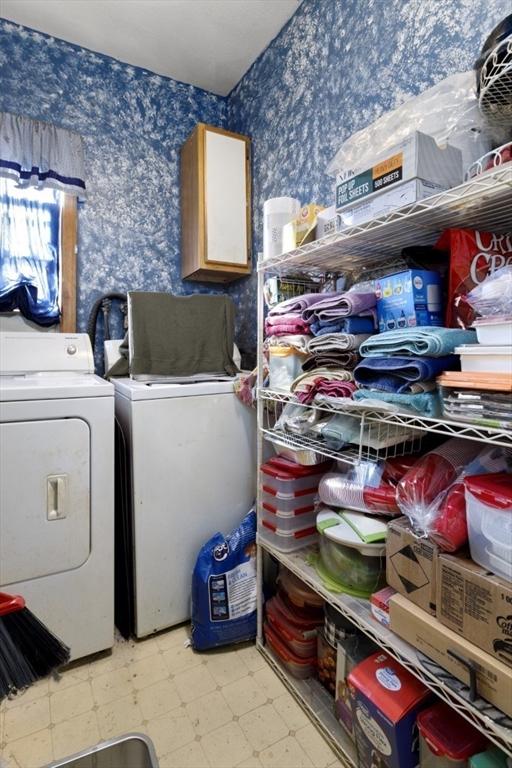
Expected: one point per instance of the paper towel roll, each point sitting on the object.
(277, 212)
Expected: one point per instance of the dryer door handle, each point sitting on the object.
(56, 497)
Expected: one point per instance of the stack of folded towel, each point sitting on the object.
(401, 366)
(287, 317)
(336, 383)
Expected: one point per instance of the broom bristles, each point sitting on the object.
(28, 651)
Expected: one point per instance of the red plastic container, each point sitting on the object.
(299, 640)
(296, 666)
(447, 740)
(298, 593)
(280, 475)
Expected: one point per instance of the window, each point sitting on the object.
(37, 254)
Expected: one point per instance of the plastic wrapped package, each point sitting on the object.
(423, 488)
(297, 419)
(367, 487)
(493, 296)
(448, 112)
(431, 494)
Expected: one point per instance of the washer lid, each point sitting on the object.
(53, 386)
(146, 390)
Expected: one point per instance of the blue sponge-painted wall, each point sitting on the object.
(336, 66)
(133, 123)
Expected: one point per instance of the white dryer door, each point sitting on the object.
(44, 498)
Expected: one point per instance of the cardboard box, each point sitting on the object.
(407, 299)
(429, 636)
(350, 652)
(416, 157)
(411, 564)
(385, 700)
(405, 193)
(475, 604)
(302, 229)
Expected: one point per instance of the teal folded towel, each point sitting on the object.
(424, 403)
(428, 341)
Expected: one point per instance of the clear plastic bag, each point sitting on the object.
(368, 486)
(448, 112)
(431, 493)
(493, 296)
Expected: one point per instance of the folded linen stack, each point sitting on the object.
(286, 317)
(401, 366)
(337, 383)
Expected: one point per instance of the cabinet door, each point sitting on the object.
(226, 196)
(44, 498)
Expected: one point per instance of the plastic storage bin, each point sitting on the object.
(486, 359)
(305, 620)
(280, 475)
(285, 364)
(290, 504)
(285, 540)
(346, 563)
(489, 517)
(288, 521)
(301, 642)
(494, 331)
(446, 739)
(296, 666)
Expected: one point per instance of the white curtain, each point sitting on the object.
(37, 154)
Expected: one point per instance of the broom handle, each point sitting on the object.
(10, 603)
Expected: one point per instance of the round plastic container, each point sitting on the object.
(298, 593)
(446, 739)
(356, 567)
(299, 641)
(494, 331)
(489, 518)
(303, 619)
(296, 666)
(279, 475)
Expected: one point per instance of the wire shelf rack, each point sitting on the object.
(491, 160)
(495, 724)
(495, 99)
(376, 440)
(483, 434)
(484, 202)
(313, 697)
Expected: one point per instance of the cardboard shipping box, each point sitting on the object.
(429, 636)
(411, 564)
(475, 604)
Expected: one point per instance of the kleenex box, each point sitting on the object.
(416, 157)
(408, 299)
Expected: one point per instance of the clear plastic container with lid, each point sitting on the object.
(446, 739)
(301, 668)
(280, 475)
(299, 594)
(286, 540)
(287, 504)
(289, 521)
(301, 641)
(489, 518)
(285, 364)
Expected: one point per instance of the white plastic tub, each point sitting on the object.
(494, 331)
(285, 364)
(489, 516)
(486, 359)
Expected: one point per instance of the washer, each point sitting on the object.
(190, 467)
(57, 486)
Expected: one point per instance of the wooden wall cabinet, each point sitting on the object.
(215, 205)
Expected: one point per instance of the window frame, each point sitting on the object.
(68, 252)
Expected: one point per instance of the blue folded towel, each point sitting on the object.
(425, 341)
(353, 324)
(398, 374)
(424, 403)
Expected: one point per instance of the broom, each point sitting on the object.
(28, 650)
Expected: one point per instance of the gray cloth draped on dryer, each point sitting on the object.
(177, 336)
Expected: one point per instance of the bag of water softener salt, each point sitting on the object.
(224, 588)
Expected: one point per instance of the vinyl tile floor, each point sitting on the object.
(215, 710)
